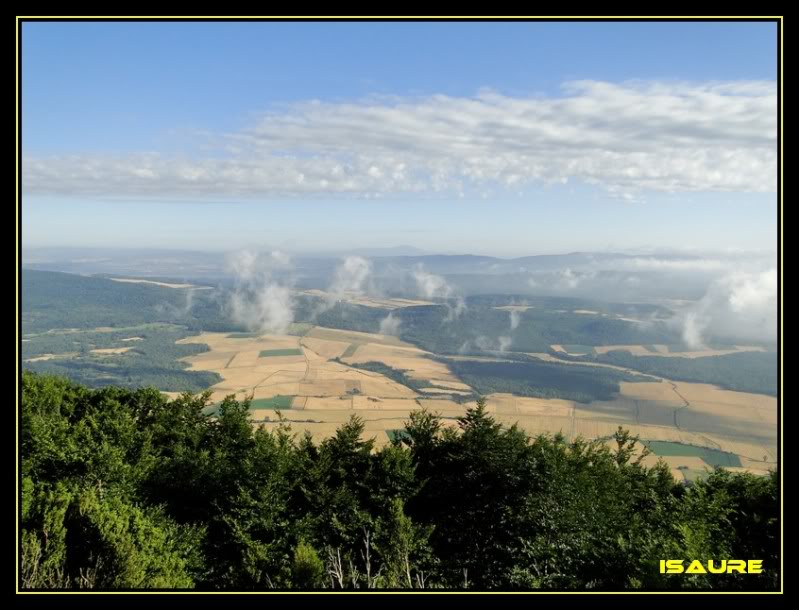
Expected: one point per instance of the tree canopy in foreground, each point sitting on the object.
(126, 489)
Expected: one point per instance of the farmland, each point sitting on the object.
(320, 379)
(581, 368)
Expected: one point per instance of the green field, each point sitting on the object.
(275, 402)
(692, 475)
(713, 457)
(540, 379)
(299, 329)
(280, 352)
(350, 351)
(396, 434)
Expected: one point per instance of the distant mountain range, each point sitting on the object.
(195, 264)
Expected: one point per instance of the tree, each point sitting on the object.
(308, 570)
(125, 489)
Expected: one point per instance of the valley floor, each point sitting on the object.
(313, 380)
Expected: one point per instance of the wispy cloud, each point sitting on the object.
(626, 138)
(430, 285)
(657, 264)
(259, 301)
(569, 280)
(390, 325)
(433, 286)
(740, 305)
(351, 276)
(500, 344)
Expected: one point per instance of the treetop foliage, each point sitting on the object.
(124, 488)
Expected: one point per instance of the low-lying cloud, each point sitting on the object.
(432, 286)
(657, 264)
(390, 325)
(740, 305)
(351, 276)
(500, 344)
(259, 301)
(569, 279)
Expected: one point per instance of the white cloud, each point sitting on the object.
(430, 285)
(281, 258)
(258, 301)
(691, 264)
(243, 264)
(501, 344)
(628, 138)
(753, 293)
(741, 305)
(693, 325)
(351, 275)
(390, 325)
(568, 279)
(265, 308)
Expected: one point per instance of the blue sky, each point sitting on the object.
(508, 138)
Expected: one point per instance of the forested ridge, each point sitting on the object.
(124, 488)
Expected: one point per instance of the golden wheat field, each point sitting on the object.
(317, 371)
(365, 300)
(110, 350)
(162, 284)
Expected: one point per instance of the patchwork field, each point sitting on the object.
(271, 365)
(415, 362)
(312, 379)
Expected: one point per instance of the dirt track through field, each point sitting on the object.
(678, 409)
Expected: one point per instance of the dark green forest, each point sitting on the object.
(542, 379)
(755, 372)
(434, 328)
(152, 360)
(124, 489)
(53, 300)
